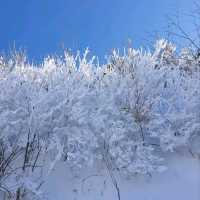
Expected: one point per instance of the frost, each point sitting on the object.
(132, 110)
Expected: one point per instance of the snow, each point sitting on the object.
(70, 118)
(180, 181)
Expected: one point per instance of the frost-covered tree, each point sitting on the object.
(125, 114)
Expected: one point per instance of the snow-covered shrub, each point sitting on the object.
(127, 112)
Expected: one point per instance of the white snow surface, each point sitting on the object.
(181, 181)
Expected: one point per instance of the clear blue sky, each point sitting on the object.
(43, 26)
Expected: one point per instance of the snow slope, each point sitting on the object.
(181, 181)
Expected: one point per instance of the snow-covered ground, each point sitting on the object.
(181, 181)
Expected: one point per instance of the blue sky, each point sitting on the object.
(43, 27)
